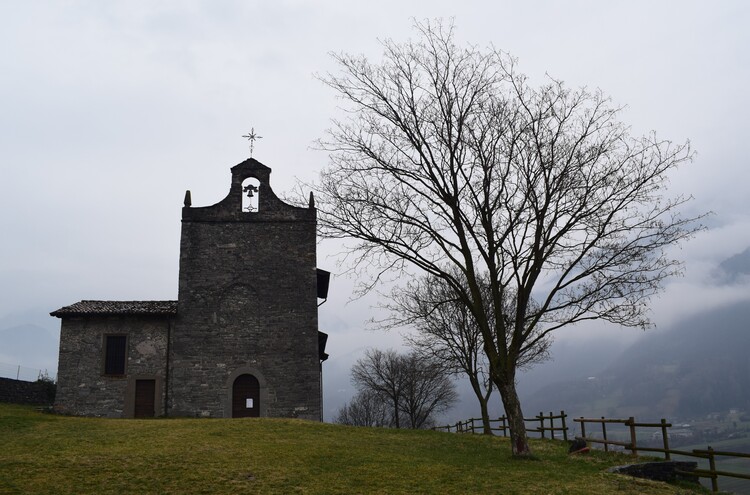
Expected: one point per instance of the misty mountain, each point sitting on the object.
(736, 266)
(698, 366)
(30, 344)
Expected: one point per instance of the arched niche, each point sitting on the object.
(250, 194)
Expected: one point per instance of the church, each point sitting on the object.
(242, 337)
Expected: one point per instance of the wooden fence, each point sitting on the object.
(539, 424)
(632, 425)
(708, 453)
(501, 426)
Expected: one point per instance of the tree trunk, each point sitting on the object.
(482, 404)
(518, 440)
(485, 417)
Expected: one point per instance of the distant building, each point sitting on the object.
(679, 432)
(242, 338)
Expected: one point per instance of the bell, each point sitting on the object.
(250, 189)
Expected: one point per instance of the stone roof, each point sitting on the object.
(118, 308)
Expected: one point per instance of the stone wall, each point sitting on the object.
(23, 392)
(84, 389)
(247, 304)
(668, 471)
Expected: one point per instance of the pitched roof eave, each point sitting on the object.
(90, 307)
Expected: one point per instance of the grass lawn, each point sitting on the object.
(48, 454)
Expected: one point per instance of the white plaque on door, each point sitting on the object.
(249, 403)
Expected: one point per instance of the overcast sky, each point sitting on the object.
(110, 110)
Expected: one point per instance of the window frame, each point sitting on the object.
(106, 355)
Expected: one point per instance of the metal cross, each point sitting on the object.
(251, 136)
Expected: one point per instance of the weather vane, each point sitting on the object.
(252, 137)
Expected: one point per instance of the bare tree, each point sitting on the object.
(446, 330)
(415, 387)
(380, 373)
(451, 159)
(428, 390)
(365, 409)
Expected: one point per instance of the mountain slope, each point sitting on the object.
(698, 366)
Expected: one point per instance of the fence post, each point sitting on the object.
(712, 467)
(564, 426)
(551, 425)
(666, 438)
(583, 428)
(504, 430)
(633, 446)
(604, 435)
(541, 423)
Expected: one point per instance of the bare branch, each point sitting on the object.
(451, 165)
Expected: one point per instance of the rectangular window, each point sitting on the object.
(116, 353)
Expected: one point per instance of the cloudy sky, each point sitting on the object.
(109, 111)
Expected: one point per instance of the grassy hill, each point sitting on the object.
(42, 453)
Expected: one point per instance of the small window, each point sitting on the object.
(115, 354)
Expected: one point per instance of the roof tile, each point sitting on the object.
(117, 308)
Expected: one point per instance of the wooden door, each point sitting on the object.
(246, 397)
(145, 395)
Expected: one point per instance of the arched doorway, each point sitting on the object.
(246, 397)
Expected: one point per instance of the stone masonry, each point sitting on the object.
(247, 304)
(247, 307)
(82, 386)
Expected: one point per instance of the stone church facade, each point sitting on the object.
(242, 338)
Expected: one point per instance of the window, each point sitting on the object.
(116, 352)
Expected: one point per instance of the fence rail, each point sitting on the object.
(710, 454)
(632, 425)
(475, 425)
